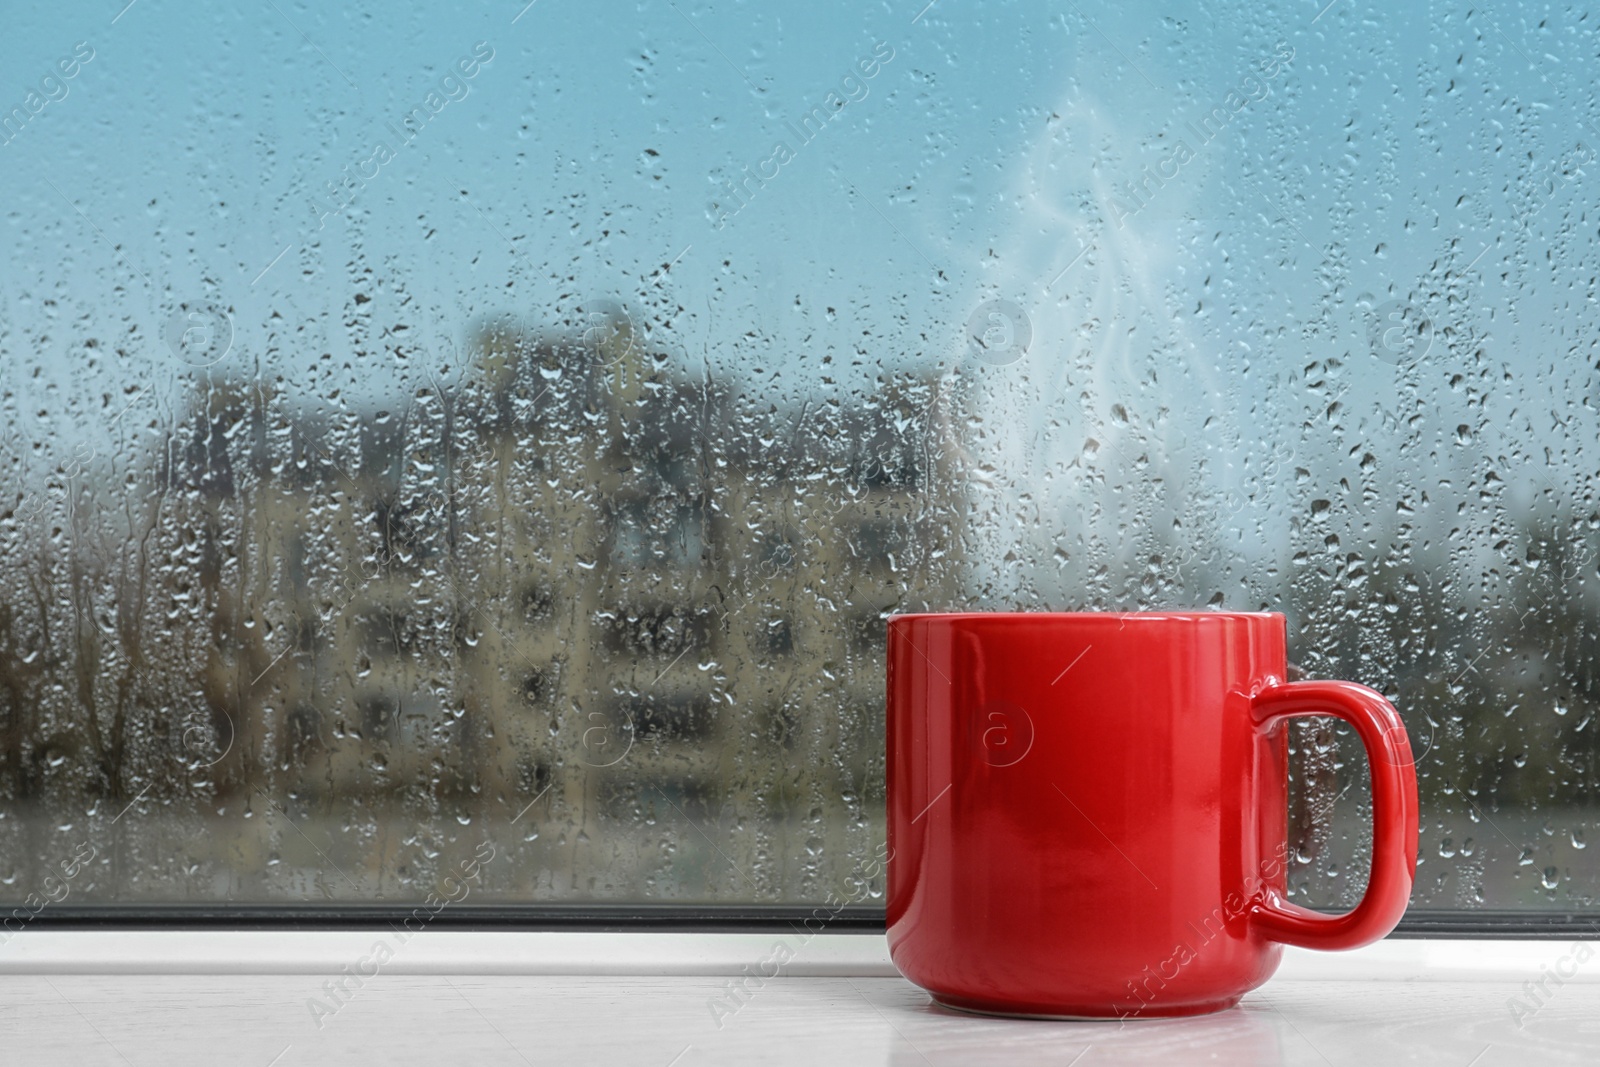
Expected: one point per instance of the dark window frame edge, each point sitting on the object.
(1418, 924)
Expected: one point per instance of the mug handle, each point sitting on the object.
(1394, 817)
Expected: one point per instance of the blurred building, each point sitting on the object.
(293, 647)
(571, 575)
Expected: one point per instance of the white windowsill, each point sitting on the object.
(438, 952)
(118, 997)
(432, 952)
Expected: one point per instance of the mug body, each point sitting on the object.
(1081, 809)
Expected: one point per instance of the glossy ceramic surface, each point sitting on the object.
(1087, 811)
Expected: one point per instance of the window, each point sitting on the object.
(421, 432)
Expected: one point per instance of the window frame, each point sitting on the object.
(1417, 924)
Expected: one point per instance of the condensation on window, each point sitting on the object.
(424, 434)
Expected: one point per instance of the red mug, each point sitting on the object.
(1088, 812)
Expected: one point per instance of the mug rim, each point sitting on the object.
(1124, 616)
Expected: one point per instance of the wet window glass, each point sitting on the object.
(504, 434)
